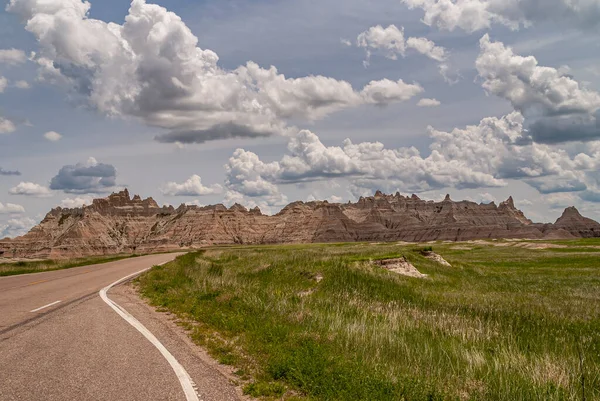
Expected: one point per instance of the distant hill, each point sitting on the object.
(121, 224)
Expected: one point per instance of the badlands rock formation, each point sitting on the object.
(120, 224)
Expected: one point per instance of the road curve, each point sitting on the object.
(60, 341)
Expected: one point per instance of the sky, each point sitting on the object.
(265, 102)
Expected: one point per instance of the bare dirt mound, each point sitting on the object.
(400, 266)
(436, 258)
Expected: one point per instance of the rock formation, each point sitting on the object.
(120, 224)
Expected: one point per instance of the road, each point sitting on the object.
(60, 340)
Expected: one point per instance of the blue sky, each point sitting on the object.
(82, 102)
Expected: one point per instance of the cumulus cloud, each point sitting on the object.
(83, 178)
(22, 84)
(486, 198)
(331, 199)
(368, 163)
(428, 103)
(53, 136)
(475, 15)
(561, 200)
(558, 108)
(7, 126)
(11, 208)
(483, 155)
(248, 175)
(387, 91)
(151, 68)
(192, 187)
(268, 205)
(31, 189)
(12, 56)
(391, 43)
(16, 227)
(79, 201)
(9, 172)
(427, 48)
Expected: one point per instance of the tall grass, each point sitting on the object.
(320, 322)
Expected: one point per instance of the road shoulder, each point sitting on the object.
(214, 381)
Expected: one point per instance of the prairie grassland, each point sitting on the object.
(320, 322)
(13, 268)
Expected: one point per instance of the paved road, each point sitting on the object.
(60, 341)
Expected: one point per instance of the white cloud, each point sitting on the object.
(7, 126)
(391, 43)
(427, 48)
(247, 174)
(388, 40)
(195, 203)
(561, 200)
(150, 68)
(484, 155)
(475, 15)
(558, 107)
(16, 227)
(386, 91)
(79, 201)
(22, 84)
(368, 163)
(3, 84)
(331, 199)
(192, 187)
(345, 42)
(53, 136)
(11, 208)
(428, 103)
(451, 76)
(31, 189)
(486, 198)
(12, 56)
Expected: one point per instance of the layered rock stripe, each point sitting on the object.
(121, 224)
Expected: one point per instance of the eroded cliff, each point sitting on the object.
(121, 224)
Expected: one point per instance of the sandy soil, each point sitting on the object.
(400, 266)
(437, 258)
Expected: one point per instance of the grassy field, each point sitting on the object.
(25, 267)
(321, 322)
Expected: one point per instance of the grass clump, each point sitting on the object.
(319, 322)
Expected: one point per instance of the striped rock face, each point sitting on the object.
(121, 224)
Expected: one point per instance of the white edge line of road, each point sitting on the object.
(45, 306)
(184, 378)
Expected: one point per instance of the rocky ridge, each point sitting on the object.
(121, 224)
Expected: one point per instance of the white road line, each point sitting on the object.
(45, 306)
(184, 378)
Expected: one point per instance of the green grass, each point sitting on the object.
(26, 267)
(319, 322)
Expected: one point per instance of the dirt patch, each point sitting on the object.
(530, 245)
(436, 258)
(515, 243)
(400, 266)
(462, 248)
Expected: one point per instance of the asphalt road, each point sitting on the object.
(59, 340)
